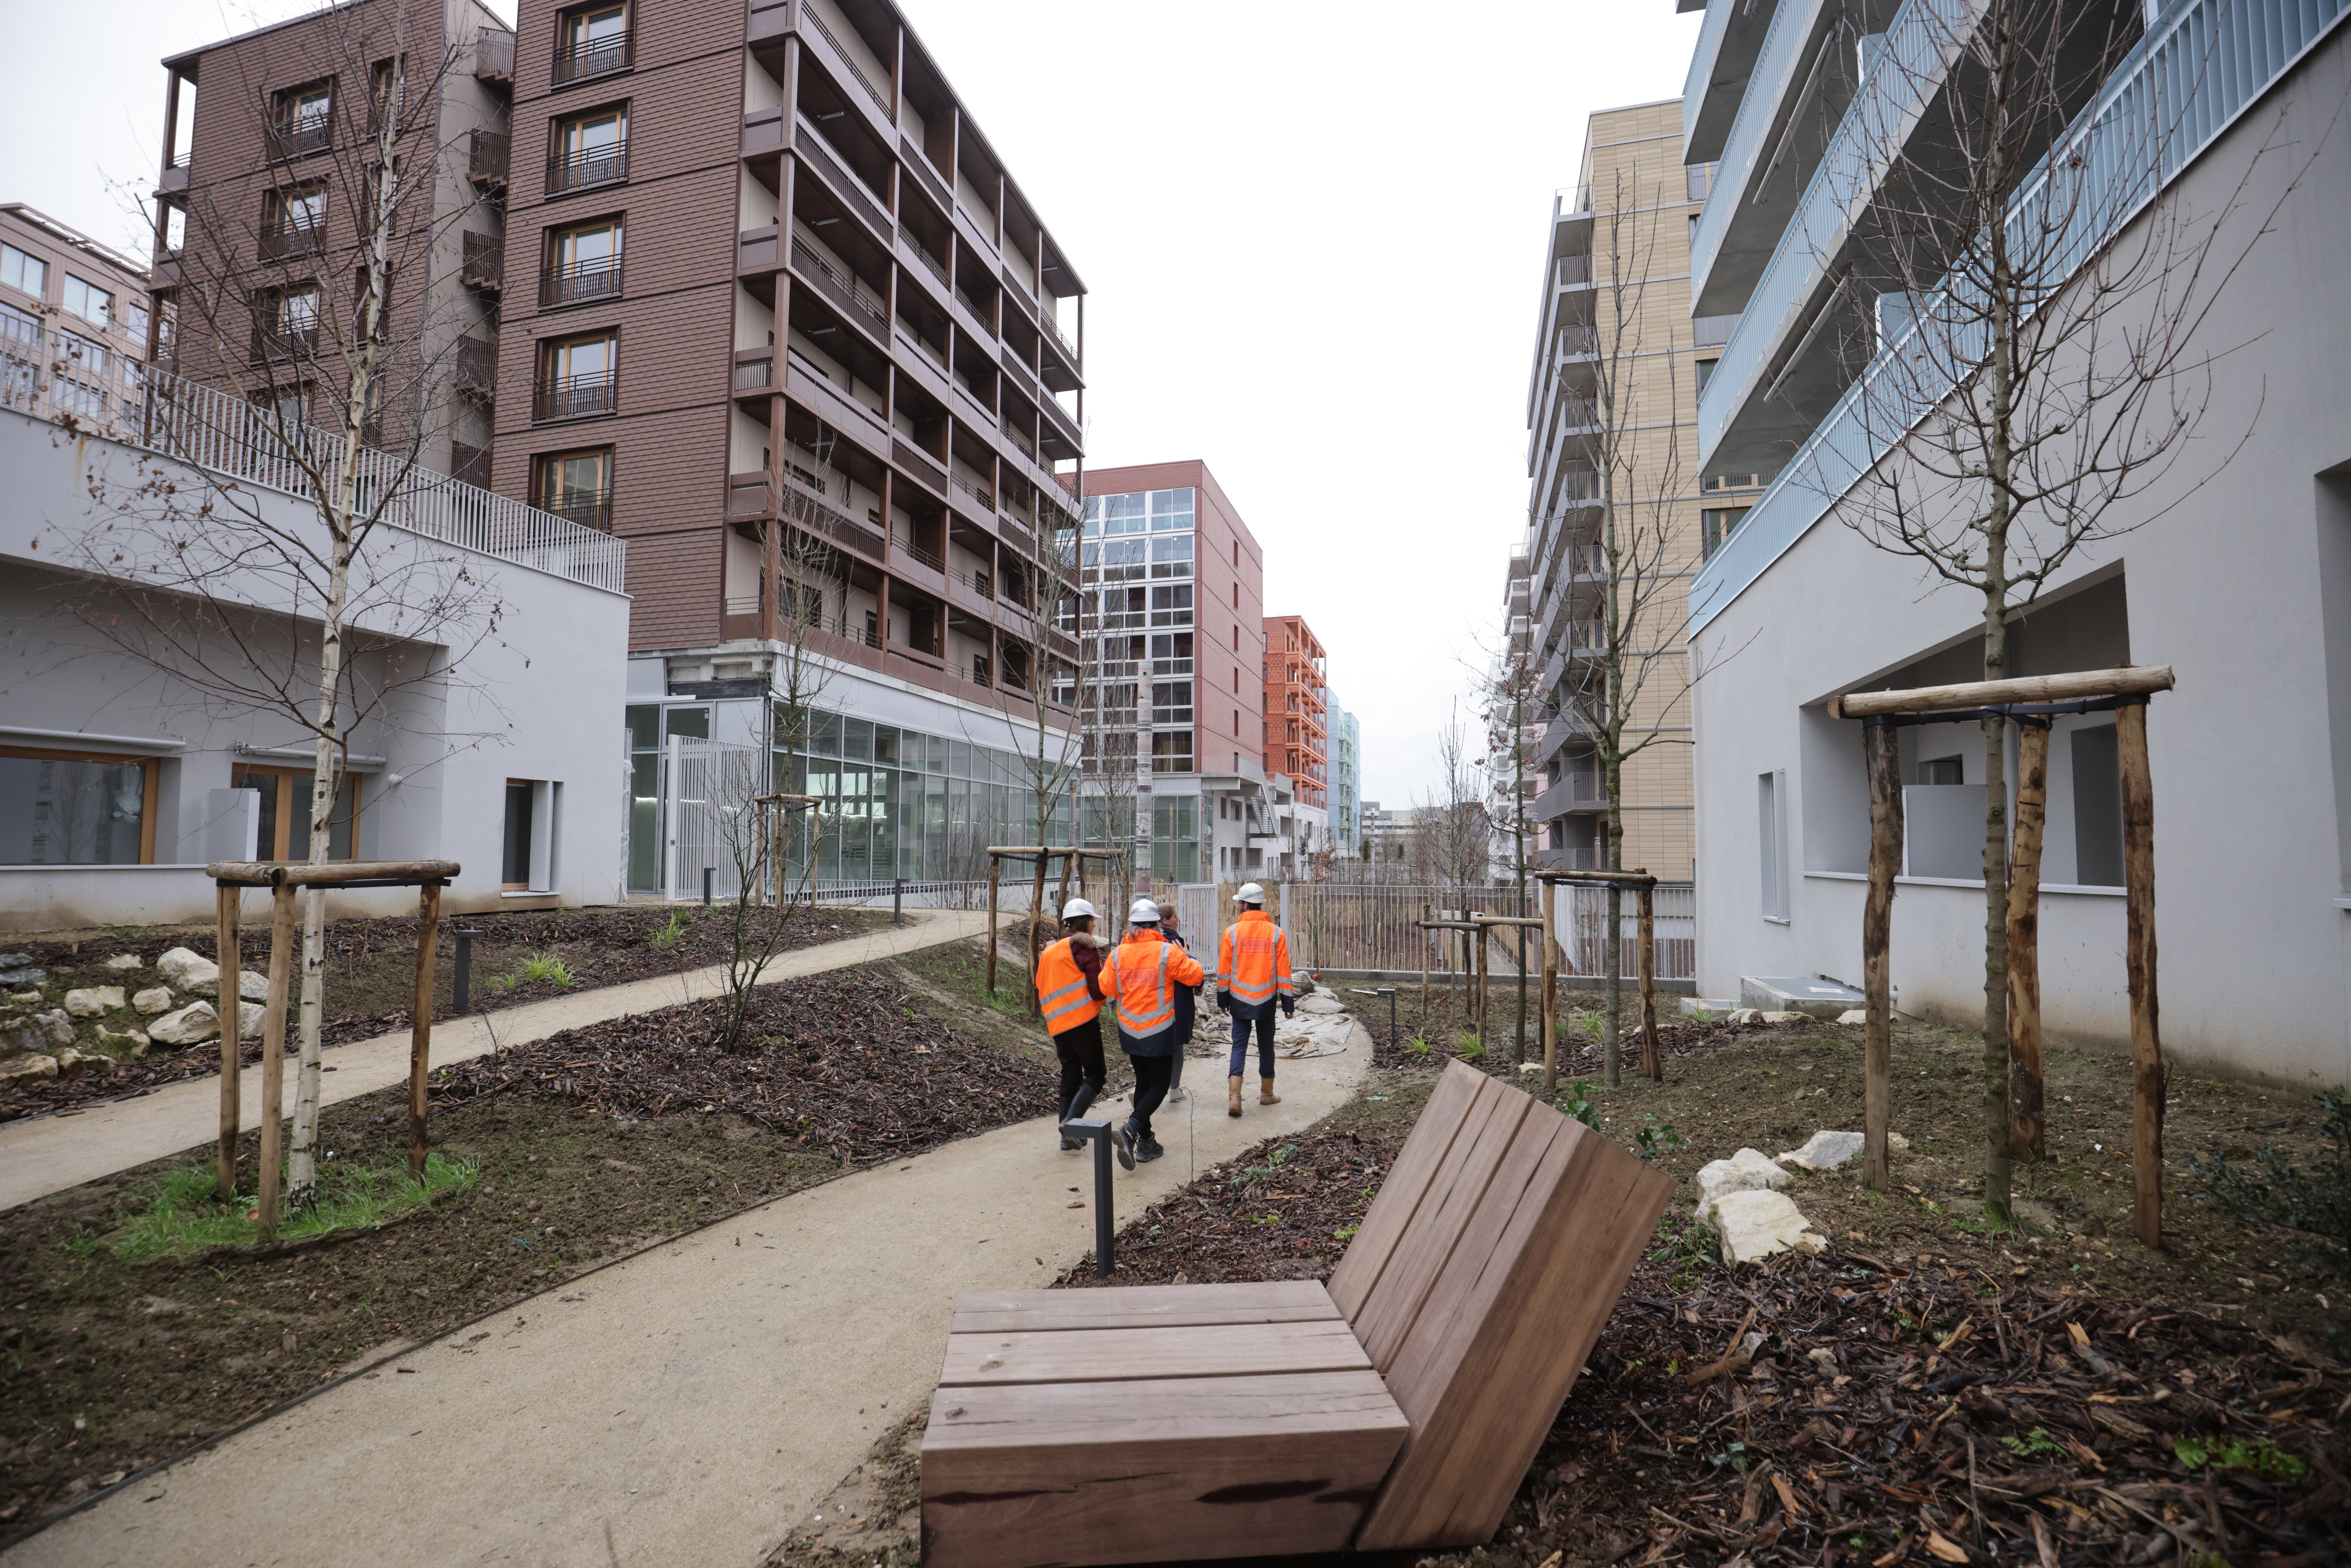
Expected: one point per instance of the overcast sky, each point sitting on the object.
(1313, 235)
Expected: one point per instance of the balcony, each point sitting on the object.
(283, 142)
(579, 282)
(575, 397)
(588, 167)
(925, 174)
(487, 155)
(589, 508)
(485, 266)
(471, 464)
(477, 367)
(1573, 792)
(979, 495)
(593, 58)
(284, 342)
(813, 153)
(846, 62)
(763, 131)
(921, 465)
(1061, 420)
(293, 240)
(750, 498)
(755, 371)
(845, 290)
(493, 56)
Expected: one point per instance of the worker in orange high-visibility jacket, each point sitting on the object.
(1070, 995)
(1140, 979)
(1252, 980)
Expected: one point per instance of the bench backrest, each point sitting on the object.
(1478, 1283)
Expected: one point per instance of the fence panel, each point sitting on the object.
(1372, 926)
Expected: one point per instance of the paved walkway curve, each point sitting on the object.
(39, 1156)
(686, 1405)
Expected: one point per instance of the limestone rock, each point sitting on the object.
(27, 1067)
(192, 1025)
(28, 998)
(71, 1062)
(90, 1001)
(1854, 1015)
(18, 970)
(1758, 1224)
(133, 1041)
(56, 1027)
(153, 999)
(125, 961)
(1745, 1171)
(183, 970)
(1824, 1150)
(1897, 1143)
(1784, 1018)
(1745, 1014)
(248, 1020)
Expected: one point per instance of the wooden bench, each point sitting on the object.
(1399, 1408)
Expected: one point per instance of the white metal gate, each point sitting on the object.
(708, 787)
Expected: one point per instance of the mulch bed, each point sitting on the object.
(1846, 1409)
(371, 977)
(1443, 1025)
(840, 1062)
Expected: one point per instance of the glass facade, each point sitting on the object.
(1137, 562)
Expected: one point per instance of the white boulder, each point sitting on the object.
(27, 1067)
(192, 1025)
(1854, 1015)
(1758, 1224)
(125, 961)
(29, 998)
(1824, 1150)
(133, 1041)
(1746, 1171)
(70, 1060)
(1784, 1017)
(56, 1026)
(153, 999)
(183, 970)
(90, 1001)
(248, 1020)
(1745, 1014)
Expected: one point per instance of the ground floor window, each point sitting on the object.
(285, 829)
(527, 859)
(1176, 838)
(76, 808)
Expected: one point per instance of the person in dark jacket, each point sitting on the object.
(1186, 1011)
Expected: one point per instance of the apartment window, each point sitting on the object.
(286, 321)
(19, 270)
(89, 301)
(583, 263)
(284, 821)
(134, 320)
(1705, 373)
(380, 105)
(1171, 751)
(527, 861)
(1771, 832)
(591, 41)
(2097, 807)
(294, 222)
(1701, 179)
(1943, 770)
(589, 150)
(578, 486)
(304, 121)
(979, 669)
(1693, 229)
(1716, 524)
(76, 808)
(577, 377)
(1171, 701)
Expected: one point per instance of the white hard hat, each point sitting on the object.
(1077, 909)
(1250, 892)
(1143, 913)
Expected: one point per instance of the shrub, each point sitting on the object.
(2316, 1203)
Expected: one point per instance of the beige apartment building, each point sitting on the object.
(73, 322)
(1616, 513)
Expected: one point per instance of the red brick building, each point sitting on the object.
(1296, 705)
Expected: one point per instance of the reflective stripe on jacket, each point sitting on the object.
(1254, 959)
(1062, 991)
(1139, 977)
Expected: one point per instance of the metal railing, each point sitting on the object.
(485, 265)
(843, 287)
(849, 62)
(488, 154)
(812, 150)
(299, 140)
(1375, 925)
(906, 543)
(595, 57)
(589, 166)
(589, 508)
(293, 239)
(576, 282)
(576, 397)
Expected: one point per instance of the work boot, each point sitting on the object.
(1265, 1094)
(1148, 1149)
(1233, 1095)
(1121, 1143)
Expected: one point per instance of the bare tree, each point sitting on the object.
(2017, 317)
(310, 372)
(1510, 690)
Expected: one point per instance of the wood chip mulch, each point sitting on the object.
(839, 1061)
(1847, 1409)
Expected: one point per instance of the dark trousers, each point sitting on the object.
(1151, 1076)
(1263, 1024)
(1080, 1050)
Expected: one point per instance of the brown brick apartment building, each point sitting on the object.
(778, 314)
(264, 199)
(73, 318)
(1177, 585)
(1297, 709)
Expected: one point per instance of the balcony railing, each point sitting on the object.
(920, 463)
(284, 342)
(844, 288)
(985, 496)
(494, 54)
(749, 495)
(589, 508)
(754, 369)
(485, 265)
(595, 57)
(848, 61)
(576, 397)
(294, 239)
(299, 140)
(1574, 340)
(577, 282)
(929, 177)
(487, 156)
(589, 166)
(812, 151)
(906, 543)
(477, 366)
(1574, 269)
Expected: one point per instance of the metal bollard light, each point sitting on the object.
(1097, 1132)
(708, 873)
(1389, 992)
(461, 983)
(898, 902)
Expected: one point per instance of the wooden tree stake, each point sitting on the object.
(1549, 987)
(420, 1023)
(1885, 759)
(994, 873)
(1036, 921)
(2027, 1092)
(232, 967)
(273, 1057)
(1653, 1059)
(2147, 1046)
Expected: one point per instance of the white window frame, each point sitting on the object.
(1772, 836)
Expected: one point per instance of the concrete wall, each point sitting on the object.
(2230, 579)
(538, 697)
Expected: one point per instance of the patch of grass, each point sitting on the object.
(1467, 1046)
(538, 967)
(2259, 1454)
(1417, 1045)
(678, 921)
(2033, 1444)
(1654, 1137)
(183, 1216)
(2316, 1203)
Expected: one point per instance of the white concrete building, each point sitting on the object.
(2241, 582)
(119, 780)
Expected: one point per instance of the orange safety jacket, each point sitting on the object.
(1139, 977)
(1253, 960)
(1065, 993)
